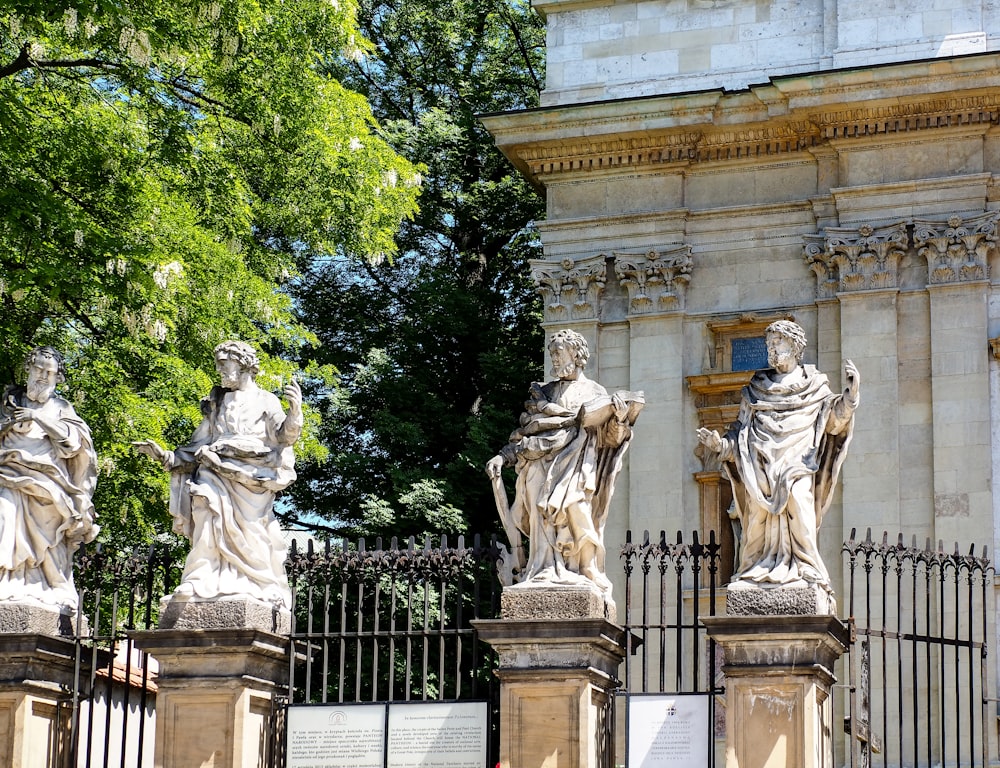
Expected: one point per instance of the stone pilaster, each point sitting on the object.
(859, 267)
(779, 674)
(956, 252)
(557, 680)
(36, 677)
(215, 694)
(656, 282)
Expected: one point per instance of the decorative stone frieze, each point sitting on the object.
(856, 259)
(571, 288)
(914, 116)
(956, 250)
(656, 280)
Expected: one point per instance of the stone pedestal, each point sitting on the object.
(36, 676)
(557, 680)
(779, 672)
(27, 618)
(223, 613)
(213, 706)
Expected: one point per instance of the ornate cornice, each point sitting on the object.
(690, 130)
(611, 153)
(571, 288)
(856, 259)
(915, 116)
(655, 280)
(956, 250)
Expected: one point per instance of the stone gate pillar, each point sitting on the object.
(36, 682)
(779, 673)
(215, 690)
(558, 673)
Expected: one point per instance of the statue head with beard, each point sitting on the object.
(786, 341)
(46, 370)
(569, 352)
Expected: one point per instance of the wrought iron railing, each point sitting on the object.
(110, 709)
(918, 668)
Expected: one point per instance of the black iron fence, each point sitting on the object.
(392, 622)
(918, 667)
(110, 710)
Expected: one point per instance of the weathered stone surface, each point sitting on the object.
(746, 600)
(556, 680)
(34, 619)
(555, 601)
(568, 450)
(237, 613)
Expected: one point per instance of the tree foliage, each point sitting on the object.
(436, 350)
(165, 168)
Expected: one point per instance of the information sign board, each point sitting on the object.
(668, 730)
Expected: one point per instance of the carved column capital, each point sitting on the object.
(856, 259)
(956, 250)
(656, 281)
(571, 288)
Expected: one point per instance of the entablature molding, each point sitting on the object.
(787, 116)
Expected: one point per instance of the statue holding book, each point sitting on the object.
(567, 452)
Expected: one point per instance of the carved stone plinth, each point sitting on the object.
(36, 674)
(555, 601)
(743, 599)
(223, 613)
(556, 683)
(778, 680)
(213, 704)
(28, 618)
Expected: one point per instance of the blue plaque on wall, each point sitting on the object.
(749, 354)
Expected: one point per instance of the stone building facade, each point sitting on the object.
(712, 165)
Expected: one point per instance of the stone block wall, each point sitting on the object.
(600, 49)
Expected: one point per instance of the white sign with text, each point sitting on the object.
(668, 731)
(438, 735)
(336, 736)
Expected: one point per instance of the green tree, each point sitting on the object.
(435, 350)
(165, 168)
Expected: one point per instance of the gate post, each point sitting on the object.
(779, 672)
(215, 692)
(36, 676)
(557, 677)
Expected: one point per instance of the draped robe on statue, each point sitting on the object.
(222, 497)
(46, 511)
(783, 456)
(565, 480)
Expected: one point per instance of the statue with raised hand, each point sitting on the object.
(783, 456)
(224, 483)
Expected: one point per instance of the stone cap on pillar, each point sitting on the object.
(756, 644)
(565, 644)
(36, 660)
(250, 654)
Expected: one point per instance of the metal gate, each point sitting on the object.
(918, 669)
(392, 623)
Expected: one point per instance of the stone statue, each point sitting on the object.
(783, 457)
(224, 483)
(567, 452)
(48, 470)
